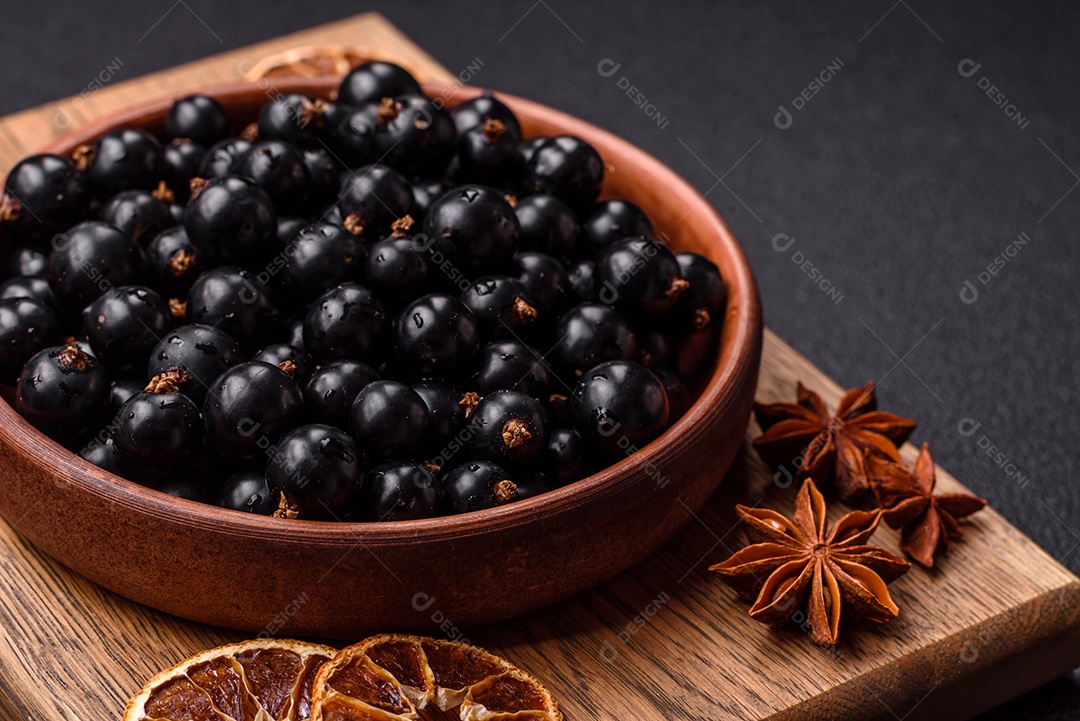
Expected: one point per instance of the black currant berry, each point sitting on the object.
(547, 225)
(249, 407)
(122, 159)
(656, 349)
(249, 492)
(568, 168)
(501, 304)
(322, 173)
(619, 407)
(139, 213)
(486, 154)
(702, 303)
(288, 358)
(190, 489)
(397, 270)
(198, 118)
(125, 324)
(173, 262)
(201, 350)
(532, 483)
(475, 112)
(346, 322)
(582, 276)
(62, 392)
(43, 195)
(510, 364)
(546, 282)
(221, 156)
(36, 288)
(292, 332)
(330, 391)
(318, 468)
(388, 419)
(436, 335)
(590, 334)
(373, 81)
(610, 221)
(26, 327)
(25, 261)
(291, 117)
(235, 301)
(509, 428)
(89, 259)
(101, 451)
(426, 192)
(640, 276)
(231, 219)
(448, 410)
(158, 429)
(565, 459)
(679, 396)
(318, 256)
(474, 227)
(183, 159)
(122, 389)
(474, 486)
(398, 491)
(371, 198)
(279, 169)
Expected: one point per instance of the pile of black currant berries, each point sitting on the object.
(370, 308)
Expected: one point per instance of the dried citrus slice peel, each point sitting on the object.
(395, 677)
(260, 680)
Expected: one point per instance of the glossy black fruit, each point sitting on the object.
(568, 168)
(371, 198)
(398, 270)
(279, 169)
(502, 306)
(231, 219)
(26, 327)
(322, 173)
(62, 392)
(426, 192)
(183, 159)
(190, 489)
(349, 132)
(91, 258)
(388, 419)
(291, 117)
(474, 227)
(475, 112)
(566, 458)
(235, 301)
(249, 407)
(330, 391)
(346, 321)
(247, 491)
(510, 364)
(201, 350)
(436, 335)
(640, 276)
(619, 407)
(25, 261)
(398, 491)
(158, 429)
(102, 453)
(317, 257)
(44, 195)
(610, 221)
(582, 276)
(656, 349)
(125, 324)
(122, 159)
(288, 358)
(138, 213)
(122, 389)
(448, 409)
(414, 135)
(198, 118)
(679, 397)
(547, 225)
(509, 428)
(373, 81)
(590, 334)
(702, 303)
(173, 262)
(36, 288)
(317, 467)
(546, 282)
(221, 156)
(486, 154)
(474, 486)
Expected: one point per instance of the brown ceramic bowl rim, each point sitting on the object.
(736, 345)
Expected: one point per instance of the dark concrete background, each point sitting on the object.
(899, 180)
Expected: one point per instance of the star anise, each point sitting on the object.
(799, 563)
(832, 446)
(908, 502)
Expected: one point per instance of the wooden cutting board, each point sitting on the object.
(663, 641)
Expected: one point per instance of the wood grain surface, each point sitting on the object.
(663, 641)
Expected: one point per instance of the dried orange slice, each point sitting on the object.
(394, 677)
(261, 680)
